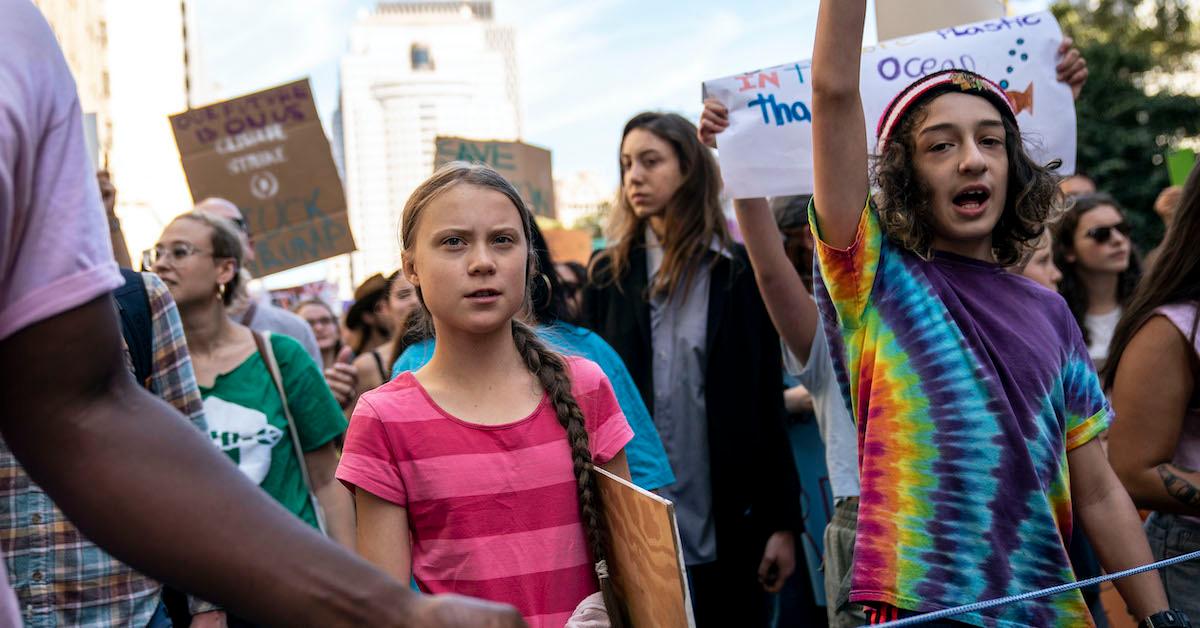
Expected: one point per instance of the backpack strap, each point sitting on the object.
(133, 306)
(263, 341)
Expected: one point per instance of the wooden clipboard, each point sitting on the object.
(645, 557)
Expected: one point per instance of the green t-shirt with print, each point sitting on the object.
(246, 421)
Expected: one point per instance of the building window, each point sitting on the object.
(421, 59)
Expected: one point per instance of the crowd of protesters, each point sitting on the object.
(998, 379)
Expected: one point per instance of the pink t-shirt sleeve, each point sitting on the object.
(608, 431)
(55, 252)
(367, 460)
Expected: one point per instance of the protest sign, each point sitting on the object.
(767, 149)
(898, 18)
(525, 166)
(645, 559)
(569, 245)
(267, 153)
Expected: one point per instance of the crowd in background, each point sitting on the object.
(446, 425)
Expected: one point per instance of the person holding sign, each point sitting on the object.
(677, 299)
(789, 301)
(473, 474)
(976, 402)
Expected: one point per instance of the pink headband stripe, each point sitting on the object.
(966, 82)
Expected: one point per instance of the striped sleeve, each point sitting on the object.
(367, 461)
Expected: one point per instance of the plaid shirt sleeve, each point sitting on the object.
(173, 379)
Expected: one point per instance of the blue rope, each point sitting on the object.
(979, 606)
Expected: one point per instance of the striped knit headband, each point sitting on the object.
(936, 84)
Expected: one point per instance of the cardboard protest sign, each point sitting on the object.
(569, 245)
(267, 153)
(646, 559)
(525, 166)
(767, 149)
(897, 18)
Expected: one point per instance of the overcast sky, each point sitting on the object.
(585, 66)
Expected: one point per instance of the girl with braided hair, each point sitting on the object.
(474, 474)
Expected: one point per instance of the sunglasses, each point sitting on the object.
(1104, 234)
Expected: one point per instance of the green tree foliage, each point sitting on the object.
(1124, 131)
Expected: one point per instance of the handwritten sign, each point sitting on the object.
(525, 166)
(767, 150)
(267, 153)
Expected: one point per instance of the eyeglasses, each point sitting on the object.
(167, 254)
(1103, 234)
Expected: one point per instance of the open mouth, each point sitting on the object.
(483, 294)
(972, 198)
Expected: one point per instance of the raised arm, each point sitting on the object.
(839, 131)
(791, 308)
(789, 304)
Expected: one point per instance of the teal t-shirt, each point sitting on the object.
(246, 421)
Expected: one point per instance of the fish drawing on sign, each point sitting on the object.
(1022, 101)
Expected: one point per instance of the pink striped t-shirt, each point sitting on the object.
(492, 509)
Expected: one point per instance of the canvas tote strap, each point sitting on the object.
(268, 357)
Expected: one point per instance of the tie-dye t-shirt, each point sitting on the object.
(968, 385)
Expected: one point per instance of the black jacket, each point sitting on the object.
(755, 486)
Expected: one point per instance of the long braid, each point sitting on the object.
(551, 372)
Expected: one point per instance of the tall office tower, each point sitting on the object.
(416, 70)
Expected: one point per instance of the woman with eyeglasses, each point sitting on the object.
(1099, 266)
(198, 256)
(324, 322)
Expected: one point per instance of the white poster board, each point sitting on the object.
(767, 149)
(898, 18)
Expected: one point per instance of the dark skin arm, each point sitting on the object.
(141, 483)
(1155, 384)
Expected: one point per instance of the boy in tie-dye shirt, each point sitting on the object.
(976, 404)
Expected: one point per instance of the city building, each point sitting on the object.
(81, 28)
(582, 195)
(415, 70)
(112, 47)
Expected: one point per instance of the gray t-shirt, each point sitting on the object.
(280, 321)
(833, 419)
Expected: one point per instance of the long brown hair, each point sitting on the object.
(903, 202)
(693, 218)
(1071, 287)
(1174, 278)
(548, 366)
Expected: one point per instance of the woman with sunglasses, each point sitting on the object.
(198, 256)
(1099, 267)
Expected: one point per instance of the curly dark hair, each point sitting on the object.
(902, 201)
